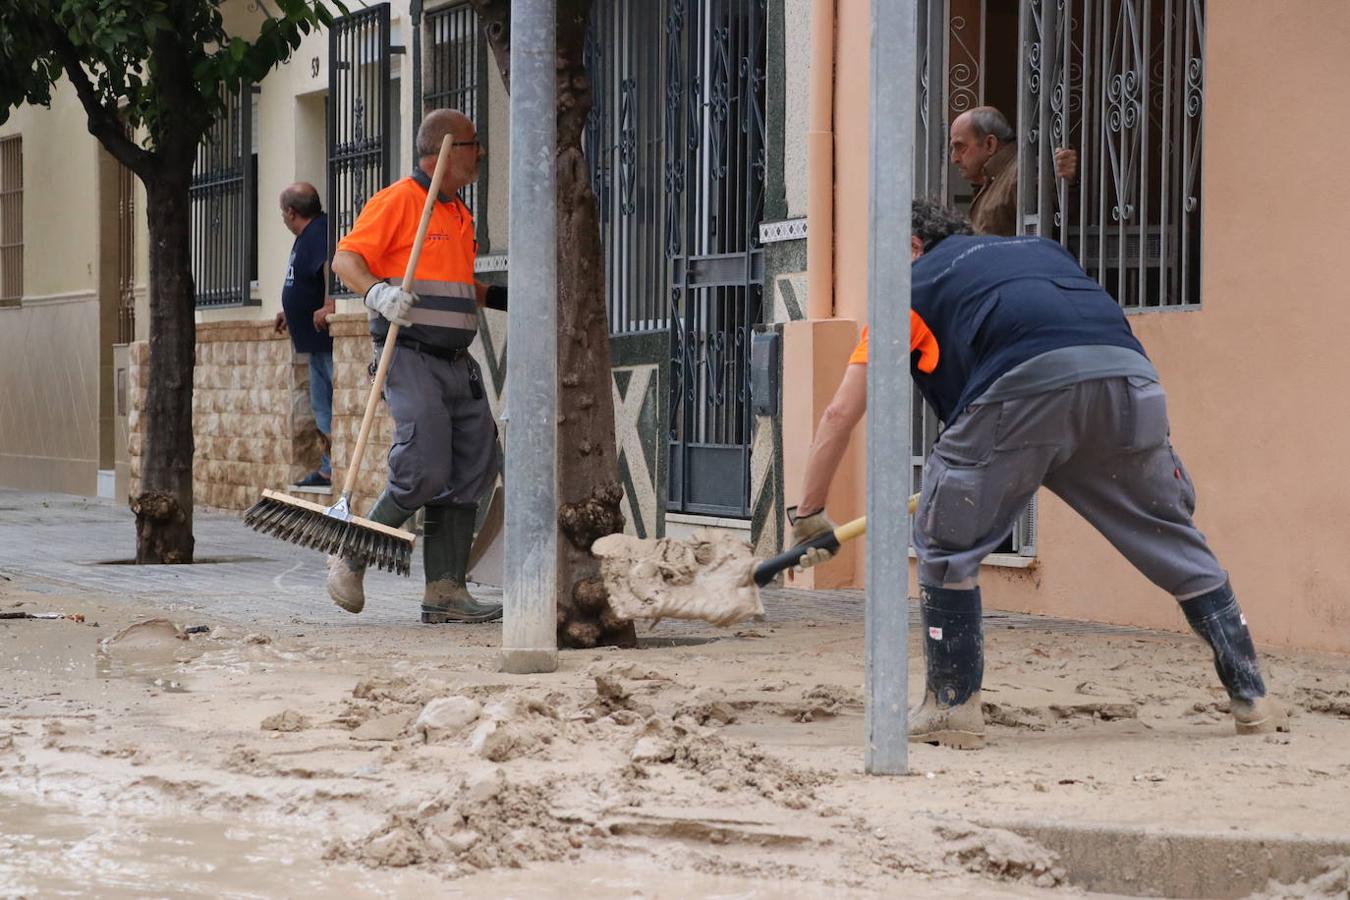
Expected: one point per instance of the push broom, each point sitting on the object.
(334, 529)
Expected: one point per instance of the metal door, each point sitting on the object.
(715, 166)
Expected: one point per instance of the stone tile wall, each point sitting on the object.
(252, 422)
(352, 355)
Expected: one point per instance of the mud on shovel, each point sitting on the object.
(715, 578)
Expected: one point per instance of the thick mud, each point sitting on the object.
(397, 761)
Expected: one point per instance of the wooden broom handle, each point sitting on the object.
(387, 353)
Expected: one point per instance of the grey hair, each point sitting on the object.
(931, 221)
(987, 120)
(435, 126)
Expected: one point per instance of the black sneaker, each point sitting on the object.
(315, 479)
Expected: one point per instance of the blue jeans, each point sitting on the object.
(321, 400)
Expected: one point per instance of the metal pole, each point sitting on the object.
(529, 624)
(888, 387)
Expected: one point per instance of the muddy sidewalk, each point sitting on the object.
(394, 759)
(289, 748)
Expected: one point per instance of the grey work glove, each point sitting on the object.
(391, 301)
(806, 528)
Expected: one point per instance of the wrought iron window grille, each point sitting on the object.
(360, 102)
(223, 207)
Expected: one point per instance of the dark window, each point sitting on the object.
(11, 221)
(224, 204)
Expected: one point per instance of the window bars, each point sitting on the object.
(11, 220)
(456, 78)
(625, 147)
(223, 214)
(359, 116)
(126, 255)
(1123, 82)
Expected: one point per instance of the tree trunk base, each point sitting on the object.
(163, 529)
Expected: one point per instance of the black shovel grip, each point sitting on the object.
(768, 570)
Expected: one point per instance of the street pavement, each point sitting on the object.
(60, 543)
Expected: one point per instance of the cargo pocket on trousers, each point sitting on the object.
(1147, 423)
(952, 516)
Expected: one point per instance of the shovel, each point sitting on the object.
(768, 570)
(716, 578)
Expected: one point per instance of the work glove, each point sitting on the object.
(806, 528)
(391, 301)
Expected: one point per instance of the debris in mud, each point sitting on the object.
(704, 578)
(1104, 711)
(1001, 854)
(286, 720)
(446, 717)
(707, 709)
(1013, 716)
(652, 745)
(482, 821)
(513, 727)
(382, 728)
(613, 699)
(824, 701)
(1333, 881)
(725, 765)
(1333, 702)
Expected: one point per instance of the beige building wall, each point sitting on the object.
(1252, 377)
(1256, 379)
(49, 344)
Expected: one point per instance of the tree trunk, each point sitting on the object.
(164, 506)
(588, 472)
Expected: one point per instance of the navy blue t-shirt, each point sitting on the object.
(303, 290)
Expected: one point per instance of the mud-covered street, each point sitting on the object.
(269, 743)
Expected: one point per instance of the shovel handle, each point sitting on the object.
(387, 352)
(768, 570)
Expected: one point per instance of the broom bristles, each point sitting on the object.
(310, 525)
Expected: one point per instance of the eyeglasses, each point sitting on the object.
(473, 143)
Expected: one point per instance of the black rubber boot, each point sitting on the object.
(447, 537)
(346, 579)
(1216, 617)
(953, 648)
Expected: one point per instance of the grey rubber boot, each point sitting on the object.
(346, 579)
(951, 714)
(1216, 617)
(447, 536)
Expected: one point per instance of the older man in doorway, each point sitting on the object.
(984, 148)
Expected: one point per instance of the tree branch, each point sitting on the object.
(103, 122)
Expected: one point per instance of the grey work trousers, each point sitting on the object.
(1101, 445)
(444, 449)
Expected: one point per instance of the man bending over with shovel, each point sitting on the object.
(1033, 369)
